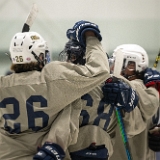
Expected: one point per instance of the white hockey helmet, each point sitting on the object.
(134, 53)
(26, 47)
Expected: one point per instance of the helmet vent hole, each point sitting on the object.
(30, 47)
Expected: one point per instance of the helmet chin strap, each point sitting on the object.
(128, 76)
(38, 59)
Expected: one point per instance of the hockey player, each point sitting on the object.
(97, 118)
(154, 137)
(154, 131)
(136, 73)
(31, 100)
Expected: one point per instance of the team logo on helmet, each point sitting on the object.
(35, 37)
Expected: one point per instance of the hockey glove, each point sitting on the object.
(78, 30)
(152, 78)
(154, 139)
(92, 152)
(50, 151)
(120, 95)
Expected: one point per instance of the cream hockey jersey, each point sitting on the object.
(31, 101)
(98, 123)
(137, 137)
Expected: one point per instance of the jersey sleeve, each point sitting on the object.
(148, 100)
(67, 81)
(64, 130)
(136, 121)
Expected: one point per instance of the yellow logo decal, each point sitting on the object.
(34, 37)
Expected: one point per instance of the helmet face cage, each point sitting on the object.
(111, 61)
(47, 57)
(63, 57)
(73, 52)
(29, 47)
(133, 53)
(140, 64)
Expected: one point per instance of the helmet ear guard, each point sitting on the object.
(29, 47)
(73, 52)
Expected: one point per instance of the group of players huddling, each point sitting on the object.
(66, 109)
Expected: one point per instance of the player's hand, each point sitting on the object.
(154, 138)
(78, 31)
(50, 151)
(120, 94)
(152, 78)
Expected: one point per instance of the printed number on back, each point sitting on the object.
(100, 113)
(31, 114)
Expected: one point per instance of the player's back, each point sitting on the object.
(25, 113)
(29, 103)
(97, 122)
(23, 102)
(36, 97)
(96, 111)
(31, 100)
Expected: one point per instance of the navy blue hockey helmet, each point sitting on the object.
(73, 52)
